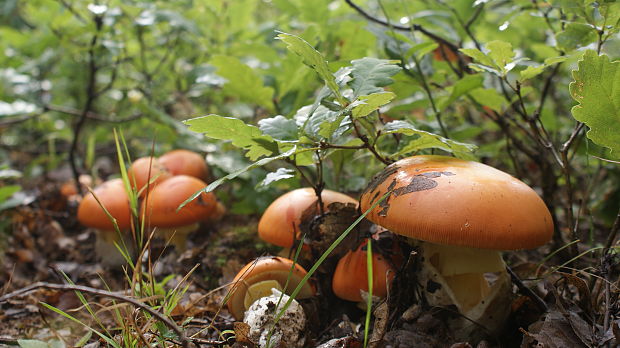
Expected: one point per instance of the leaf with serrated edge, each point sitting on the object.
(501, 53)
(371, 103)
(370, 74)
(597, 90)
(428, 140)
(478, 56)
(240, 134)
(313, 59)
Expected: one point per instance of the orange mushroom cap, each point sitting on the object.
(161, 208)
(280, 221)
(266, 268)
(112, 195)
(351, 274)
(145, 169)
(185, 162)
(450, 201)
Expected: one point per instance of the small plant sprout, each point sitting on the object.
(465, 213)
(260, 291)
(107, 209)
(161, 209)
(279, 224)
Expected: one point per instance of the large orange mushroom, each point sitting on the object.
(465, 213)
(279, 224)
(161, 208)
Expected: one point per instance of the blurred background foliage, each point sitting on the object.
(73, 70)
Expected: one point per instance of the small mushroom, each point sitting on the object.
(146, 172)
(112, 196)
(350, 278)
(279, 224)
(259, 293)
(160, 210)
(465, 212)
(185, 162)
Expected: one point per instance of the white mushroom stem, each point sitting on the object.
(474, 280)
(106, 250)
(177, 236)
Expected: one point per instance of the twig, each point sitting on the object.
(90, 115)
(527, 291)
(68, 287)
(413, 27)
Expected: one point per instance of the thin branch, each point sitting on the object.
(68, 287)
(413, 27)
(90, 115)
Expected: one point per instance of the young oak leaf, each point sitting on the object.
(240, 134)
(597, 90)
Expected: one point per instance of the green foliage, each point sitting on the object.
(597, 90)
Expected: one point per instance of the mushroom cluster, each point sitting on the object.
(162, 185)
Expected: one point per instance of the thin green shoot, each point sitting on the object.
(370, 283)
(548, 257)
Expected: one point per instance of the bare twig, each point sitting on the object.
(68, 287)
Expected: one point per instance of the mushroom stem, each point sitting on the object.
(177, 236)
(474, 280)
(106, 250)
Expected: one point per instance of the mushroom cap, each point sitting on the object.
(161, 208)
(281, 220)
(185, 162)
(143, 169)
(266, 268)
(112, 195)
(351, 274)
(446, 200)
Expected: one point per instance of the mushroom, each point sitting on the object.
(256, 296)
(160, 210)
(185, 162)
(465, 212)
(146, 172)
(279, 224)
(112, 196)
(350, 278)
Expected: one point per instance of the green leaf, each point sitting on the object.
(530, 72)
(489, 97)
(263, 161)
(422, 49)
(314, 124)
(371, 103)
(279, 127)
(8, 191)
(279, 174)
(428, 140)
(370, 74)
(242, 135)
(461, 87)
(501, 53)
(313, 59)
(243, 82)
(597, 90)
(575, 35)
(478, 56)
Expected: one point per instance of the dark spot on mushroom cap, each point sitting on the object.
(381, 177)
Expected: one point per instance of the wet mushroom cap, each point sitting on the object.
(161, 208)
(450, 201)
(263, 269)
(145, 169)
(185, 162)
(111, 195)
(281, 219)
